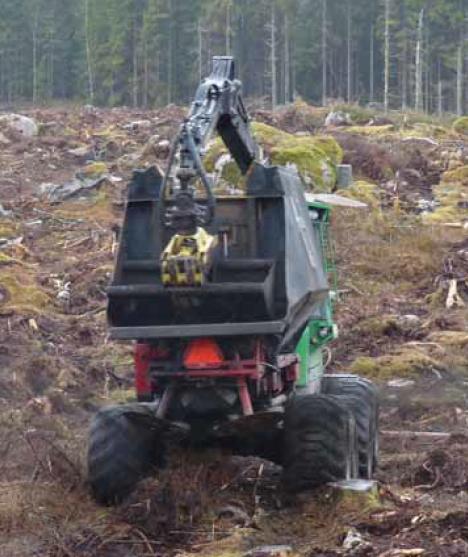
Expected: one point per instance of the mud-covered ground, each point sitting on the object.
(401, 322)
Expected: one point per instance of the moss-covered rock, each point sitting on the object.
(312, 163)
(100, 208)
(95, 170)
(451, 197)
(371, 130)
(461, 125)
(456, 175)
(450, 338)
(315, 157)
(427, 130)
(268, 136)
(301, 116)
(358, 114)
(407, 362)
(8, 228)
(383, 325)
(19, 291)
(363, 191)
(273, 138)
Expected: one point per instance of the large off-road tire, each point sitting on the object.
(123, 448)
(319, 442)
(362, 399)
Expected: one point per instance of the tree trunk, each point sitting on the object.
(135, 66)
(324, 53)
(349, 63)
(34, 54)
(460, 78)
(170, 55)
(371, 66)
(228, 28)
(418, 100)
(428, 72)
(200, 50)
(287, 62)
(440, 105)
(404, 75)
(274, 84)
(387, 55)
(88, 54)
(145, 72)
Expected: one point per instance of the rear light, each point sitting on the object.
(203, 353)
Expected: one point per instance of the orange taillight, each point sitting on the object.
(203, 353)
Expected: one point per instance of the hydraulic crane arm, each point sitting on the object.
(218, 106)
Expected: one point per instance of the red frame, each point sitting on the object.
(244, 371)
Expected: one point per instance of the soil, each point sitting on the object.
(57, 366)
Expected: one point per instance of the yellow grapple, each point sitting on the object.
(186, 260)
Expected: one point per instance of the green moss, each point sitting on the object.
(99, 208)
(450, 196)
(121, 396)
(461, 125)
(358, 114)
(215, 150)
(348, 502)
(328, 145)
(20, 292)
(268, 135)
(424, 129)
(311, 162)
(450, 338)
(459, 175)
(406, 363)
(379, 326)
(7, 228)
(303, 115)
(271, 137)
(232, 174)
(315, 157)
(95, 170)
(363, 191)
(371, 130)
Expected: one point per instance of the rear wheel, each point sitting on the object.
(122, 450)
(319, 442)
(361, 397)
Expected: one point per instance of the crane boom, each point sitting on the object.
(218, 106)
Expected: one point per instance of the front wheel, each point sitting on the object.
(123, 448)
(320, 443)
(361, 397)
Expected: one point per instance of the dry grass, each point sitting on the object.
(390, 249)
(389, 265)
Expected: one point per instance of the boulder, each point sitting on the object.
(19, 124)
(56, 193)
(83, 152)
(4, 141)
(405, 363)
(95, 169)
(138, 125)
(162, 149)
(129, 161)
(365, 192)
(271, 551)
(4, 212)
(461, 125)
(149, 148)
(315, 157)
(337, 119)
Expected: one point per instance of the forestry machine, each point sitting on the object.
(228, 302)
